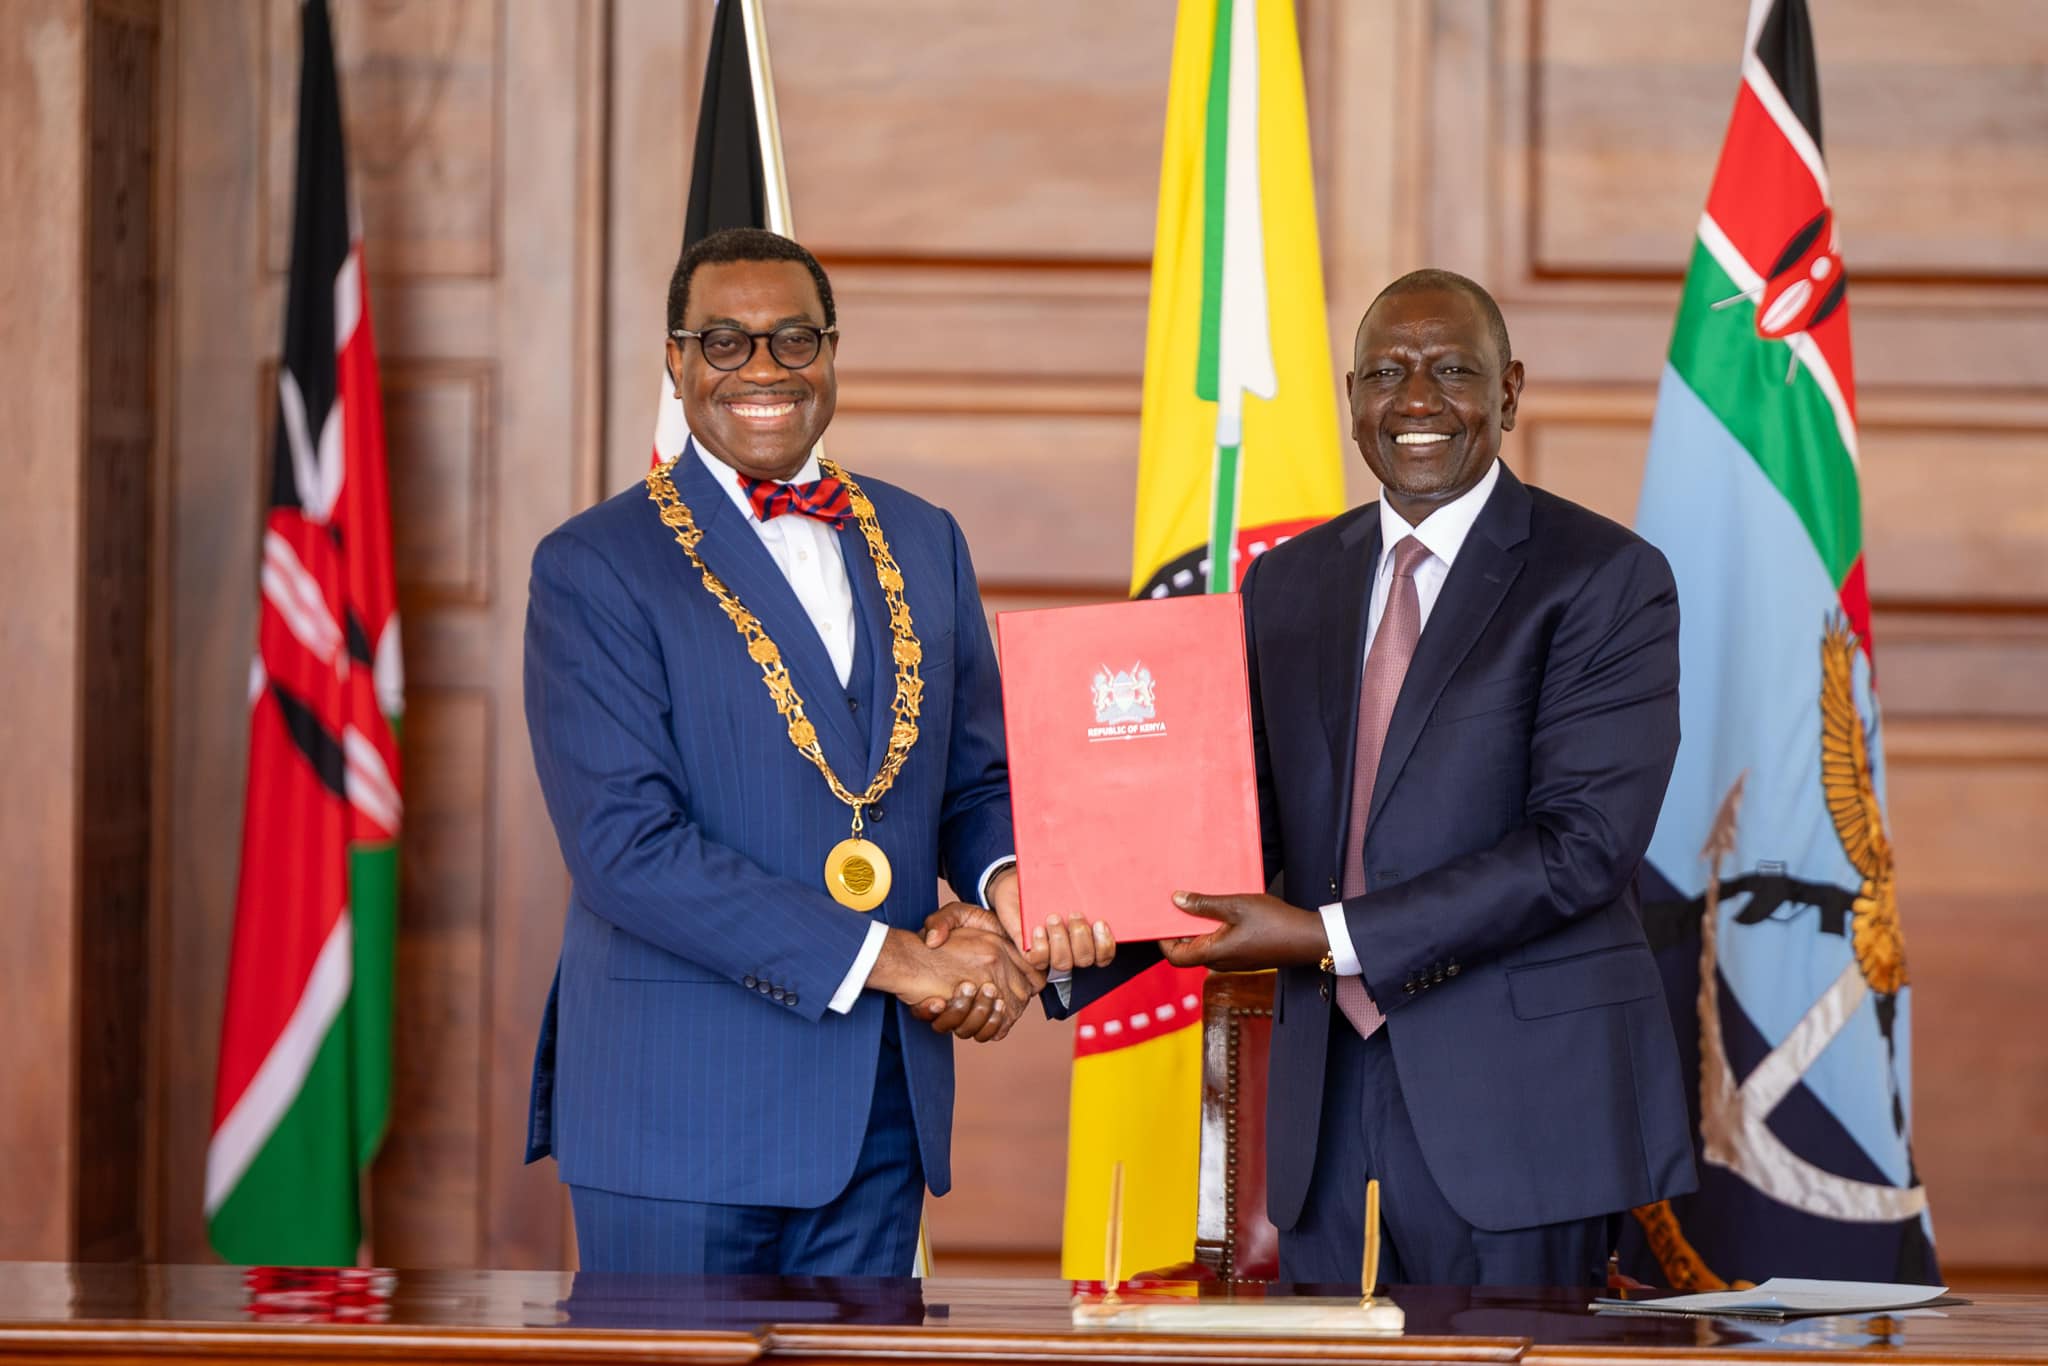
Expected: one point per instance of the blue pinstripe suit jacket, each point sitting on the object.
(687, 1052)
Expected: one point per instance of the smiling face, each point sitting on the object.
(761, 419)
(1430, 397)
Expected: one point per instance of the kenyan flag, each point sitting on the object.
(1237, 451)
(304, 1086)
(1769, 891)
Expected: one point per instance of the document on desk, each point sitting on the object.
(1131, 773)
(1784, 1297)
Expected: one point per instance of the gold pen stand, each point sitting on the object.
(1180, 1307)
(1146, 1312)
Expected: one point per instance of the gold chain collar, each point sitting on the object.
(907, 652)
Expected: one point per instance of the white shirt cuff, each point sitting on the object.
(981, 887)
(857, 976)
(1063, 983)
(1343, 957)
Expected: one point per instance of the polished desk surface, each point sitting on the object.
(52, 1312)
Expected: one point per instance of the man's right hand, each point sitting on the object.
(978, 969)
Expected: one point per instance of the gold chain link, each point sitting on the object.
(908, 653)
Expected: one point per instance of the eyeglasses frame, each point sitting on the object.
(755, 340)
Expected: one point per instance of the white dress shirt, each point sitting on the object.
(1443, 532)
(806, 550)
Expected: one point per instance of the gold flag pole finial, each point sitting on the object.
(1113, 1248)
(1369, 1276)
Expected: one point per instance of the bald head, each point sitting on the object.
(1433, 281)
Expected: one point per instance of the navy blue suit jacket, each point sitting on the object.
(687, 1052)
(1522, 774)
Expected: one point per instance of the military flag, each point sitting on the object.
(304, 1086)
(1769, 891)
(1238, 451)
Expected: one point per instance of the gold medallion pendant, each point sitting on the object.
(857, 874)
(856, 871)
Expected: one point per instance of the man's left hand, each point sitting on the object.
(1059, 945)
(1257, 932)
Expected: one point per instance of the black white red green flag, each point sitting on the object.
(303, 1091)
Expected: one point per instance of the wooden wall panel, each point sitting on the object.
(912, 135)
(437, 430)
(118, 644)
(1028, 496)
(981, 183)
(1965, 799)
(1009, 1159)
(656, 51)
(218, 338)
(420, 101)
(425, 1208)
(1932, 132)
(43, 63)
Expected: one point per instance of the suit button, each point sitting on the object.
(777, 994)
(853, 704)
(1451, 971)
(790, 1000)
(1410, 987)
(1436, 977)
(749, 983)
(875, 814)
(1333, 886)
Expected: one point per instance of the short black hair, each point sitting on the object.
(741, 244)
(1432, 280)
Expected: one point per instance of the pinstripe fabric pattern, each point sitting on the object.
(693, 1057)
(868, 1229)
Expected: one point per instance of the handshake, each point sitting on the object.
(973, 972)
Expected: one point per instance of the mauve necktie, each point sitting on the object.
(1386, 664)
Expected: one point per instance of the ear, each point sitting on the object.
(675, 367)
(1511, 394)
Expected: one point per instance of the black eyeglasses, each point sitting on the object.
(793, 345)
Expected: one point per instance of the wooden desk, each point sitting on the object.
(52, 1313)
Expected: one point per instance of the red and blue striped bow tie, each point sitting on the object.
(824, 500)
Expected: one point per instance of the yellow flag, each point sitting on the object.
(1238, 452)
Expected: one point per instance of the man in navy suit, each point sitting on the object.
(1465, 709)
(734, 1072)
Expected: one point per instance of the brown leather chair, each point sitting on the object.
(1233, 1240)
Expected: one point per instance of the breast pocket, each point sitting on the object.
(1461, 701)
(937, 654)
(629, 958)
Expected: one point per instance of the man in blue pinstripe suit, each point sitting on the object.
(735, 1072)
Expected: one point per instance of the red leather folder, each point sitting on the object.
(1131, 772)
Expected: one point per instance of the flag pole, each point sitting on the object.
(765, 119)
(769, 126)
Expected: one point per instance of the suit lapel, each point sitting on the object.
(735, 553)
(1341, 657)
(872, 612)
(1487, 565)
(1342, 654)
